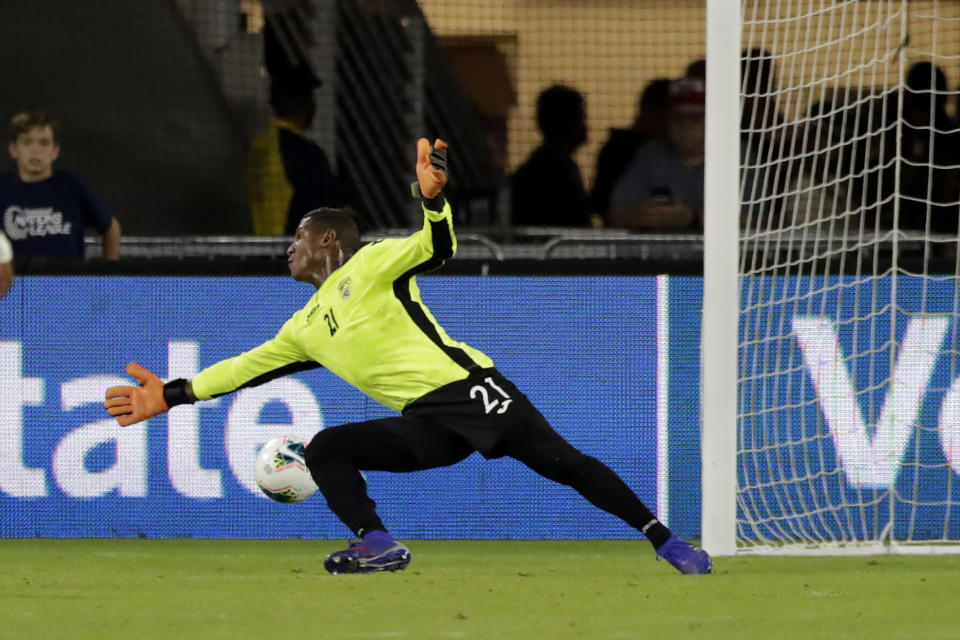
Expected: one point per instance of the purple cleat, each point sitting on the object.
(377, 551)
(686, 558)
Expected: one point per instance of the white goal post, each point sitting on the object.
(830, 340)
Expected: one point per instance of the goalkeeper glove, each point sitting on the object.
(431, 167)
(131, 405)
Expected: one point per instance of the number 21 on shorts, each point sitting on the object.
(489, 396)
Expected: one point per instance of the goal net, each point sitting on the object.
(848, 369)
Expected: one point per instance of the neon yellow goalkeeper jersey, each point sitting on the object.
(367, 324)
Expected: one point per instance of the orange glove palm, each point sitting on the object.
(131, 405)
(431, 178)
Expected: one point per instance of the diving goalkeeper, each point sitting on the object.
(367, 324)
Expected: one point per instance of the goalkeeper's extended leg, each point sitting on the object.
(542, 449)
(335, 457)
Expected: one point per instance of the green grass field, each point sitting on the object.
(460, 589)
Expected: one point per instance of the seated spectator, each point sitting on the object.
(287, 173)
(763, 136)
(46, 211)
(821, 178)
(760, 114)
(650, 122)
(930, 150)
(662, 188)
(547, 189)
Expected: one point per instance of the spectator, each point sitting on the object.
(759, 113)
(822, 178)
(547, 189)
(287, 173)
(697, 69)
(6, 265)
(650, 122)
(929, 151)
(762, 127)
(662, 188)
(47, 211)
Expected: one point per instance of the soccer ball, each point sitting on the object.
(281, 471)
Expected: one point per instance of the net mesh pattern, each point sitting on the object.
(848, 351)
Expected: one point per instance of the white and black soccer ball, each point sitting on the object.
(281, 471)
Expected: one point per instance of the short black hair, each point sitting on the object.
(757, 71)
(343, 221)
(926, 77)
(697, 69)
(288, 98)
(558, 109)
(654, 95)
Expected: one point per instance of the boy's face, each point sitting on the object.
(35, 151)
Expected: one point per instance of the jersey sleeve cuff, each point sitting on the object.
(436, 208)
(175, 393)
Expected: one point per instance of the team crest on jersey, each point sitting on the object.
(344, 287)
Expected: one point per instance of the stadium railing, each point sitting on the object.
(654, 252)
(521, 243)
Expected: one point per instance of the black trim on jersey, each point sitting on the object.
(285, 370)
(442, 249)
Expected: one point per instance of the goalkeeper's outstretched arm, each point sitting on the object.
(435, 242)
(276, 357)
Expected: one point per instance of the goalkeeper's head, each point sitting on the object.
(324, 240)
(342, 221)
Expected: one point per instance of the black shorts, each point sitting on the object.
(482, 409)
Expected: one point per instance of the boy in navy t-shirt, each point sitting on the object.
(44, 212)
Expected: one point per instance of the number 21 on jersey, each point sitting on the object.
(332, 323)
(493, 397)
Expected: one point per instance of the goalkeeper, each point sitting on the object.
(367, 324)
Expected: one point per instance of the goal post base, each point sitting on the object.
(849, 549)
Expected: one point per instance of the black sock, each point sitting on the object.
(657, 533)
(373, 525)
